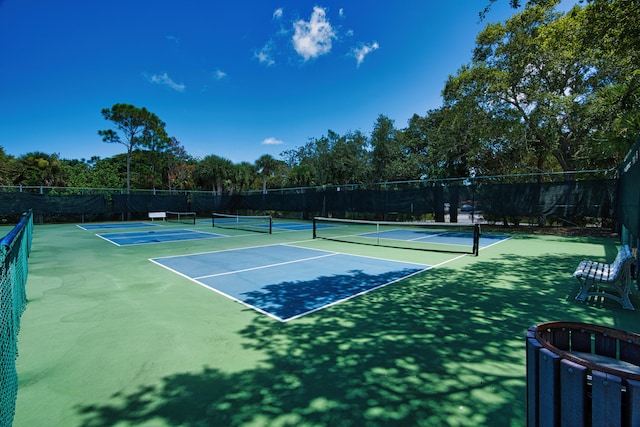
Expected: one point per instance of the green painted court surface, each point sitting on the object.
(110, 338)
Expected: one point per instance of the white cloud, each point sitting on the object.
(219, 74)
(313, 38)
(341, 12)
(361, 52)
(277, 14)
(272, 141)
(264, 55)
(164, 79)
(173, 39)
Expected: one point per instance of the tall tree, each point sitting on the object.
(243, 175)
(38, 168)
(301, 176)
(348, 158)
(331, 159)
(179, 166)
(540, 68)
(213, 172)
(391, 156)
(106, 173)
(5, 164)
(612, 37)
(134, 128)
(157, 143)
(266, 166)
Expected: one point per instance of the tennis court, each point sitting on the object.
(286, 282)
(374, 335)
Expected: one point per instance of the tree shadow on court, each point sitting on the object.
(442, 348)
(293, 298)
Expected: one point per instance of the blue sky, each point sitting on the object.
(237, 79)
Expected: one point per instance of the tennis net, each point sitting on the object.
(439, 237)
(259, 223)
(182, 217)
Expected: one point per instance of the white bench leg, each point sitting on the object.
(585, 285)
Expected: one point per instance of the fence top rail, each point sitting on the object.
(465, 180)
(8, 240)
(544, 334)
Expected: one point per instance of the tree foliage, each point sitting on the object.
(544, 74)
(213, 172)
(5, 165)
(38, 168)
(135, 127)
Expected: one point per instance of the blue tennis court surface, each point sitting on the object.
(286, 282)
(160, 236)
(292, 226)
(115, 225)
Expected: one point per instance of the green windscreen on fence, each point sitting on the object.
(14, 252)
(557, 199)
(629, 193)
(17, 203)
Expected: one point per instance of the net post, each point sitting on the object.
(213, 219)
(270, 225)
(314, 227)
(476, 239)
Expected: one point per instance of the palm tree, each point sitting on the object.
(213, 171)
(265, 164)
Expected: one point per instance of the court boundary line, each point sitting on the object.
(213, 236)
(494, 243)
(108, 240)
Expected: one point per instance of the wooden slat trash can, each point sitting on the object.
(582, 375)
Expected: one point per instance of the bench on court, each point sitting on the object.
(157, 215)
(611, 281)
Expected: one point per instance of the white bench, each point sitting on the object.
(600, 279)
(157, 215)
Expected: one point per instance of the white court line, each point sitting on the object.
(495, 243)
(241, 248)
(265, 266)
(427, 237)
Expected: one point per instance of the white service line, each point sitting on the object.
(265, 266)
